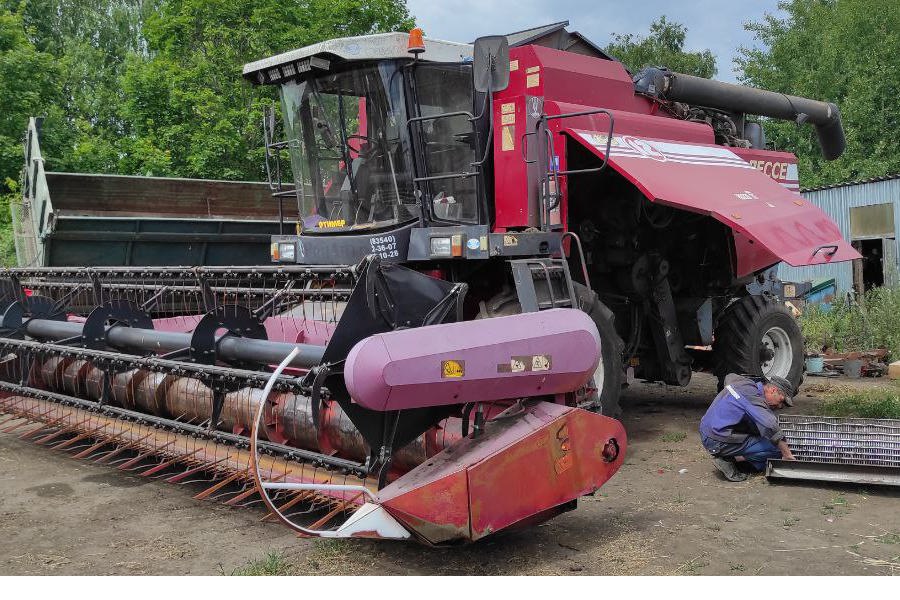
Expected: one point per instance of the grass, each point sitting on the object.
(674, 436)
(330, 557)
(7, 239)
(828, 508)
(873, 322)
(876, 403)
(274, 563)
(790, 521)
(888, 538)
(693, 566)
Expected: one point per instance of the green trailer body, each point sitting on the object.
(76, 219)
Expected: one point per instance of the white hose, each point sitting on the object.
(263, 486)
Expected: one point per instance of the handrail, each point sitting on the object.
(552, 171)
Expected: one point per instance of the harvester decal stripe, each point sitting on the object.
(627, 146)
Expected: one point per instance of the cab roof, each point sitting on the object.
(378, 46)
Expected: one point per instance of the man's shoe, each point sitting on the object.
(729, 469)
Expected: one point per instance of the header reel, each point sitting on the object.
(172, 369)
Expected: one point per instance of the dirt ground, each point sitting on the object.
(62, 516)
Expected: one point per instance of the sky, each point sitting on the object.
(716, 25)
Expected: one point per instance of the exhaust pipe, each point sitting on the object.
(678, 87)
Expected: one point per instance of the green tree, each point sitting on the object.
(190, 112)
(89, 41)
(844, 52)
(663, 47)
(27, 86)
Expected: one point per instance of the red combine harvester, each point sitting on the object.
(441, 374)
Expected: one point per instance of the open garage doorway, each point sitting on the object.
(872, 234)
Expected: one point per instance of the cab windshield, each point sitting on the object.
(349, 145)
(349, 152)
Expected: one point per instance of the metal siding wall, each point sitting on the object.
(837, 202)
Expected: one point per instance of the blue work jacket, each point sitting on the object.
(740, 411)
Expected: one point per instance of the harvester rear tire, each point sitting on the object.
(604, 401)
(746, 329)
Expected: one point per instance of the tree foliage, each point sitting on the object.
(190, 111)
(154, 87)
(844, 52)
(663, 47)
(27, 86)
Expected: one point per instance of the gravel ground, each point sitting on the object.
(61, 516)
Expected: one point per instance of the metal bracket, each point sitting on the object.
(42, 307)
(557, 291)
(379, 299)
(236, 320)
(319, 374)
(114, 312)
(454, 298)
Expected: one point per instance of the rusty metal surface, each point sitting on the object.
(158, 197)
(146, 440)
(288, 421)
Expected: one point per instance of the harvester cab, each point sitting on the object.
(383, 145)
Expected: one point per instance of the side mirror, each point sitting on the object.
(490, 63)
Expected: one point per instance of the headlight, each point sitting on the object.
(286, 251)
(440, 246)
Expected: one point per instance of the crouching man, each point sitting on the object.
(741, 425)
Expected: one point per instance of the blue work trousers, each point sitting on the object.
(755, 450)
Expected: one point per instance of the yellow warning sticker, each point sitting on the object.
(508, 119)
(513, 65)
(510, 240)
(533, 80)
(330, 224)
(482, 243)
(508, 138)
(509, 107)
(530, 70)
(453, 369)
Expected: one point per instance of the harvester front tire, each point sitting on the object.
(749, 331)
(605, 400)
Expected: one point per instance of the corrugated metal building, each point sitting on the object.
(867, 213)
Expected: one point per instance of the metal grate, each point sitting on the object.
(850, 441)
(25, 238)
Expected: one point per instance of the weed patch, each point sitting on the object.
(877, 403)
(274, 563)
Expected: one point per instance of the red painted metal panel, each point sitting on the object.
(560, 462)
(523, 468)
(713, 180)
(780, 166)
